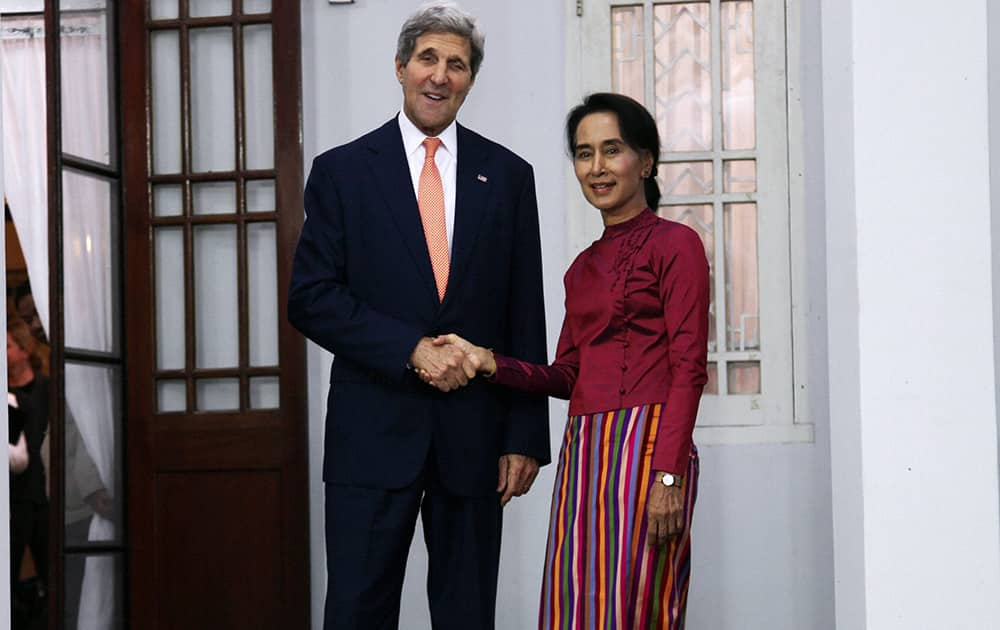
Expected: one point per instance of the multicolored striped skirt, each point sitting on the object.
(600, 573)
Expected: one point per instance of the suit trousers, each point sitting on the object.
(368, 536)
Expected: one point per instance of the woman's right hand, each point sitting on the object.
(477, 358)
(18, 455)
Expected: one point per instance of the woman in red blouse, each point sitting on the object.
(631, 360)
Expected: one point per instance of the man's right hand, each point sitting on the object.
(477, 358)
(444, 365)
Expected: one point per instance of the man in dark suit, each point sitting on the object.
(418, 228)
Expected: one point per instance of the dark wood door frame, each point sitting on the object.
(57, 391)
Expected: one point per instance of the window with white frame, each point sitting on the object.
(713, 74)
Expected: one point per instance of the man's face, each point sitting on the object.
(435, 80)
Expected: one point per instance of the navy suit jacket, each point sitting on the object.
(362, 287)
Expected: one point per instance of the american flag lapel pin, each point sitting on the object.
(482, 178)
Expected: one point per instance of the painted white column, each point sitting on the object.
(911, 321)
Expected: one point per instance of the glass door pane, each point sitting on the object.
(90, 252)
(165, 109)
(210, 8)
(258, 97)
(95, 591)
(163, 9)
(87, 97)
(262, 262)
(92, 451)
(215, 297)
(213, 114)
(168, 250)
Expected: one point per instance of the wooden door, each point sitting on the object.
(216, 437)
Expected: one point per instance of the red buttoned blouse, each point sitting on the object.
(635, 332)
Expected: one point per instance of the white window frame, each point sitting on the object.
(779, 412)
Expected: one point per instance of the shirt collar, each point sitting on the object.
(413, 137)
(645, 217)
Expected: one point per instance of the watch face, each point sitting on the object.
(668, 479)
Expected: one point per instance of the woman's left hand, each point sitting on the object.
(664, 511)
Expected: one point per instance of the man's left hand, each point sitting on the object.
(517, 473)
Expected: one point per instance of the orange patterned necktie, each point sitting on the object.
(430, 200)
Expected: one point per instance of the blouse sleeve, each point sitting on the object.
(684, 292)
(554, 380)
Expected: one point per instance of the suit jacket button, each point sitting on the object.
(622, 391)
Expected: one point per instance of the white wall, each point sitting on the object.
(848, 526)
(912, 363)
(993, 35)
(762, 539)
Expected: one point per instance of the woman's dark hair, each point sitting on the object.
(635, 123)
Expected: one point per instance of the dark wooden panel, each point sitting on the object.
(218, 449)
(138, 279)
(219, 550)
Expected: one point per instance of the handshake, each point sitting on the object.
(448, 362)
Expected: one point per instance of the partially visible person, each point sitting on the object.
(24, 304)
(632, 362)
(29, 503)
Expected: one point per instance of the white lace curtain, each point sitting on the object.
(24, 147)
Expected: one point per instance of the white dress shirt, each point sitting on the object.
(446, 160)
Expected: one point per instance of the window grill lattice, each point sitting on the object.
(698, 70)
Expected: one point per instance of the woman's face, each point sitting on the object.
(15, 353)
(610, 171)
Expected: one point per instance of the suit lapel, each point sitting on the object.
(472, 195)
(387, 159)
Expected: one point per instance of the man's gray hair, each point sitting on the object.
(441, 16)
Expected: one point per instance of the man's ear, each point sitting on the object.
(399, 70)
